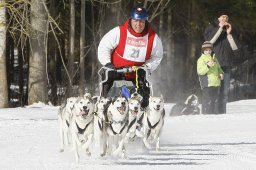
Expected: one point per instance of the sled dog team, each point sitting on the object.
(109, 124)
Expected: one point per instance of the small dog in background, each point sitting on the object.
(189, 107)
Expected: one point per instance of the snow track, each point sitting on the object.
(30, 140)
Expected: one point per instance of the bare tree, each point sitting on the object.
(170, 51)
(3, 74)
(37, 61)
(82, 50)
(71, 48)
(192, 48)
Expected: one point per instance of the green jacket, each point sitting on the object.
(208, 76)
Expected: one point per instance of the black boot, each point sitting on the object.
(143, 90)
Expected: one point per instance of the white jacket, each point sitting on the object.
(110, 41)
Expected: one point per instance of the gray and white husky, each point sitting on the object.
(82, 125)
(117, 115)
(64, 118)
(135, 114)
(100, 123)
(153, 121)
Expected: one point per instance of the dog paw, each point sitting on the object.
(103, 154)
(88, 153)
(146, 144)
(139, 134)
(115, 153)
(123, 155)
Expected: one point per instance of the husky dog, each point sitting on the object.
(154, 121)
(64, 118)
(135, 113)
(136, 96)
(100, 122)
(82, 125)
(117, 115)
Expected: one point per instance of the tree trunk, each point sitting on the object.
(3, 74)
(37, 61)
(170, 54)
(71, 48)
(192, 47)
(52, 56)
(21, 77)
(82, 50)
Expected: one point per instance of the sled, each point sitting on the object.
(124, 86)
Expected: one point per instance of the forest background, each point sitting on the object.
(48, 48)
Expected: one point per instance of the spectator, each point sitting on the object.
(133, 43)
(210, 74)
(219, 33)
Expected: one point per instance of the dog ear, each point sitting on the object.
(107, 104)
(95, 99)
(162, 97)
(150, 98)
(109, 99)
(88, 95)
(113, 99)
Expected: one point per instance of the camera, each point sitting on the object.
(225, 27)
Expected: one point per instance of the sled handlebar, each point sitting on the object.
(120, 70)
(123, 70)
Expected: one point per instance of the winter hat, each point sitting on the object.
(223, 12)
(206, 44)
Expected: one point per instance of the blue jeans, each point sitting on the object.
(224, 91)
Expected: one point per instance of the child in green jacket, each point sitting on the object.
(210, 76)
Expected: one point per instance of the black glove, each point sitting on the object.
(110, 65)
(141, 75)
(112, 74)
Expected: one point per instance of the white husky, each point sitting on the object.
(134, 114)
(64, 118)
(100, 123)
(82, 125)
(117, 115)
(153, 121)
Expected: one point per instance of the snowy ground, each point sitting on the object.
(29, 140)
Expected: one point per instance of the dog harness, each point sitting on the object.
(130, 125)
(67, 123)
(100, 123)
(153, 127)
(80, 130)
(124, 122)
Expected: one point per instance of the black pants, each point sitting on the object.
(143, 89)
(224, 91)
(209, 99)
